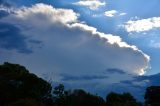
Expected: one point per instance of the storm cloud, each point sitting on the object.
(70, 46)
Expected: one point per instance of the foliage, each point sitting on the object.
(125, 99)
(79, 97)
(17, 83)
(19, 87)
(152, 96)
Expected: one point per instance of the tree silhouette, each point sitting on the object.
(59, 91)
(125, 99)
(17, 83)
(80, 98)
(152, 96)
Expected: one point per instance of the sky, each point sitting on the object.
(102, 44)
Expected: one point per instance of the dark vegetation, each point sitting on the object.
(18, 87)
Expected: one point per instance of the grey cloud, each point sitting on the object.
(3, 14)
(5, 3)
(115, 71)
(11, 39)
(81, 78)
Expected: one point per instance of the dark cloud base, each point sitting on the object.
(80, 78)
(119, 71)
(11, 39)
(3, 2)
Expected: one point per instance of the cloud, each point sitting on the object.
(5, 9)
(81, 78)
(154, 44)
(91, 4)
(11, 39)
(112, 13)
(3, 2)
(138, 85)
(115, 71)
(122, 14)
(142, 25)
(72, 47)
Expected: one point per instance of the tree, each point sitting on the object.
(77, 97)
(59, 96)
(17, 83)
(59, 91)
(152, 96)
(80, 98)
(125, 99)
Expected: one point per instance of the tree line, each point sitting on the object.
(19, 87)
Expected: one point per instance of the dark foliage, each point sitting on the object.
(125, 99)
(79, 97)
(18, 87)
(17, 83)
(152, 96)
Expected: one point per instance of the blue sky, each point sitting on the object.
(105, 44)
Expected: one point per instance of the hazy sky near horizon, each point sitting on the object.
(100, 42)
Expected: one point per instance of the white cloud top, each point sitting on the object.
(47, 13)
(91, 4)
(142, 25)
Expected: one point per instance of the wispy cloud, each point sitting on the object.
(112, 13)
(91, 4)
(154, 44)
(142, 25)
(122, 14)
